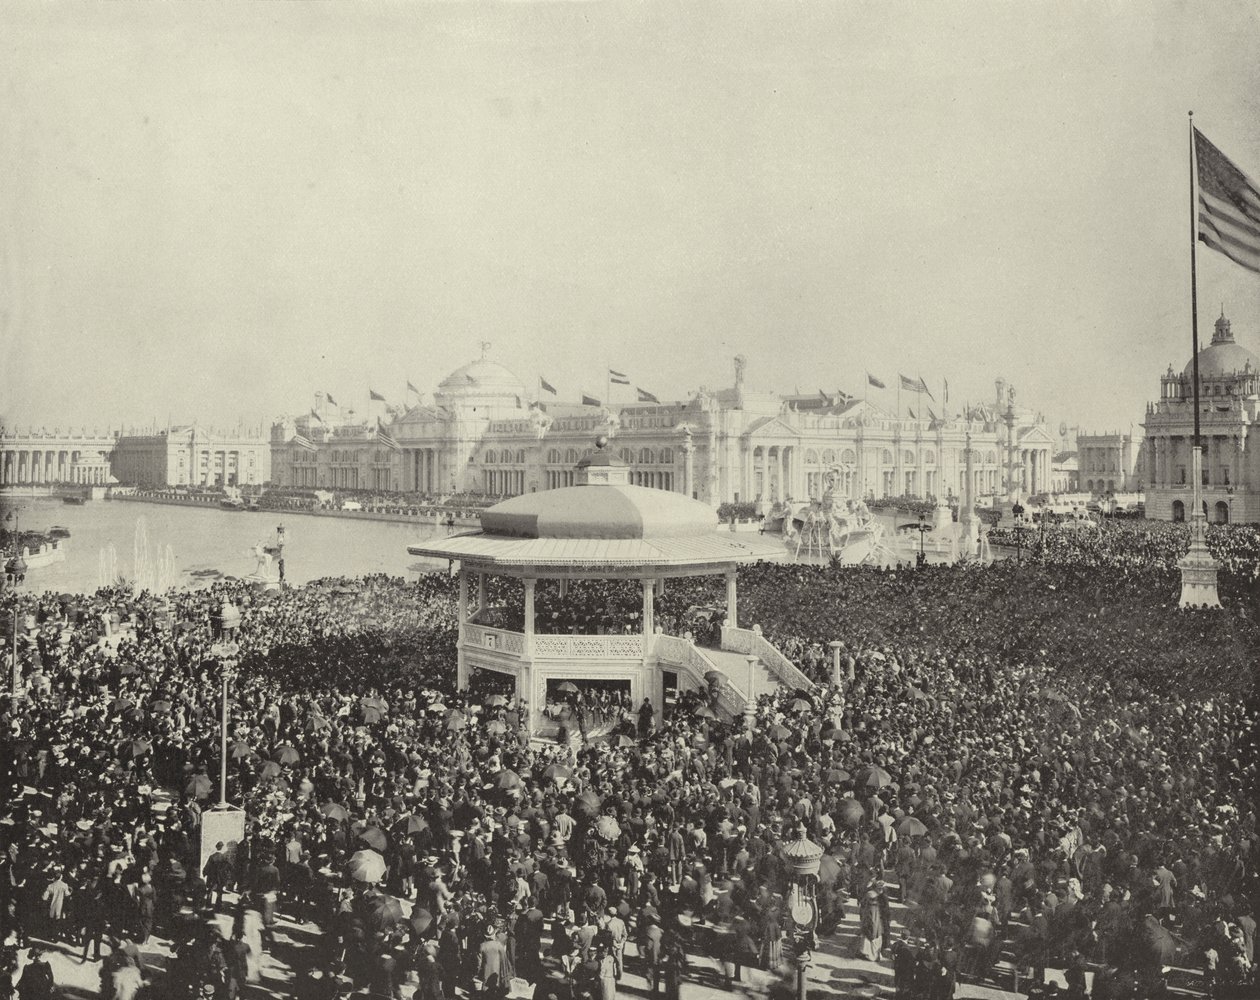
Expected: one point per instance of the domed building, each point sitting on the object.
(1229, 404)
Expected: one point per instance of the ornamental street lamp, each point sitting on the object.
(1017, 510)
(14, 574)
(803, 858)
(225, 651)
(280, 551)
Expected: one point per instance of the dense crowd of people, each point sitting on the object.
(1050, 765)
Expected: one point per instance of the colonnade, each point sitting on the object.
(44, 466)
(421, 470)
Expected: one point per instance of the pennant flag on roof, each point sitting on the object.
(375, 396)
(872, 380)
(331, 401)
(546, 386)
(923, 388)
(618, 378)
(645, 396)
(412, 388)
(589, 400)
(910, 385)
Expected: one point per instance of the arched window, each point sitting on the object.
(908, 457)
(848, 457)
(887, 456)
(645, 456)
(553, 456)
(667, 456)
(489, 457)
(626, 455)
(829, 457)
(990, 457)
(811, 457)
(520, 457)
(929, 457)
(1178, 511)
(571, 456)
(1222, 512)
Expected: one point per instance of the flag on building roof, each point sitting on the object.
(923, 388)
(872, 380)
(946, 381)
(385, 436)
(589, 400)
(331, 401)
(412, 388)
(911, 385)
(645, 396)
(546, 386)
(911, 412)
(618, 378)
(518, 402)
(375, 396)
(1229, 206)
(932, 416)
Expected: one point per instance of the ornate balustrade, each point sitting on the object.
(500, 640)
(588, 647)
(751, 642)
(684, 655)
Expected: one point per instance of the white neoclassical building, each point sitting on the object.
(1229, 404)
(484, 433)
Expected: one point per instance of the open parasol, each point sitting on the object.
(366, 866)
(287, 754)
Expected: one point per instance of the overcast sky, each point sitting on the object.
(213, 210)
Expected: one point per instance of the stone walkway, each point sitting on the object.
(834, 974)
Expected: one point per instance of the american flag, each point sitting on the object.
(1229, 206)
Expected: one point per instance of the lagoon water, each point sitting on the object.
(175, 546)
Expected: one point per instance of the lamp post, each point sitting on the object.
(280, 551)
(1017, 511)
(802, 858)
(225, 651)
(14, 574)
(750, 704)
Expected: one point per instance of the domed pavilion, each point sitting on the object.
(1229, 409)
(605, 528)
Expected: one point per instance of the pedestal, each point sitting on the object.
(1198, 570)
(220, 824)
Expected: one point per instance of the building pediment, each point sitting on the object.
(770, 427)
(1035, 437)
(418, 416)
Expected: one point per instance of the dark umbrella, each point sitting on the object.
(370, 715)
(876, 777)
(269, 769)
(335, 811)
(373, 837)
(287, 754)
(558, 772)
(160, 706)
(240, 750)
(799, 705)
(778, 732)
(496, 727)
(383, 912)
(198, 786)
(704, 712)
(421, 919)
(568, 687)
(121, 705)
(410, 825)
(836, 775)
(455, 722)
(134, 748)
(507, 780)
(912, 827)
(496, 701)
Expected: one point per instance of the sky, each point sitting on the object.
(212, 211)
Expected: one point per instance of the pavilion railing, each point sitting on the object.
(683, 654)
(588, 647)
(497, 639)
(751, 642)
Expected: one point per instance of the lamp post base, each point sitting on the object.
(223, 823)
(1198, 572)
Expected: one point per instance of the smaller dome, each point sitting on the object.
(600, 512)
(481, 378)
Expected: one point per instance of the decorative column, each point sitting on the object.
(649, 623)
(750, 702)
(837, 677)
(732, 597)
(529, 615)
(481, 594)
(461, 663)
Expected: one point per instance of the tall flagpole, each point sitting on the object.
(1198, 568)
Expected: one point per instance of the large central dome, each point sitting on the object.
(1223, 356)
(481, 378)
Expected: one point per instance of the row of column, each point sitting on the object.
(1223, 456)
(26, 466)
(421, 470)
(504, 482)
(1034, 470)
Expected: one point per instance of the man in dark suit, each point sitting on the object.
(217, 873)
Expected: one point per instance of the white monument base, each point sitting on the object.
(226, 824)
(1198, 572)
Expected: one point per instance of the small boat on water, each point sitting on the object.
(58, 531)
(232, 503)
(77, 500)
